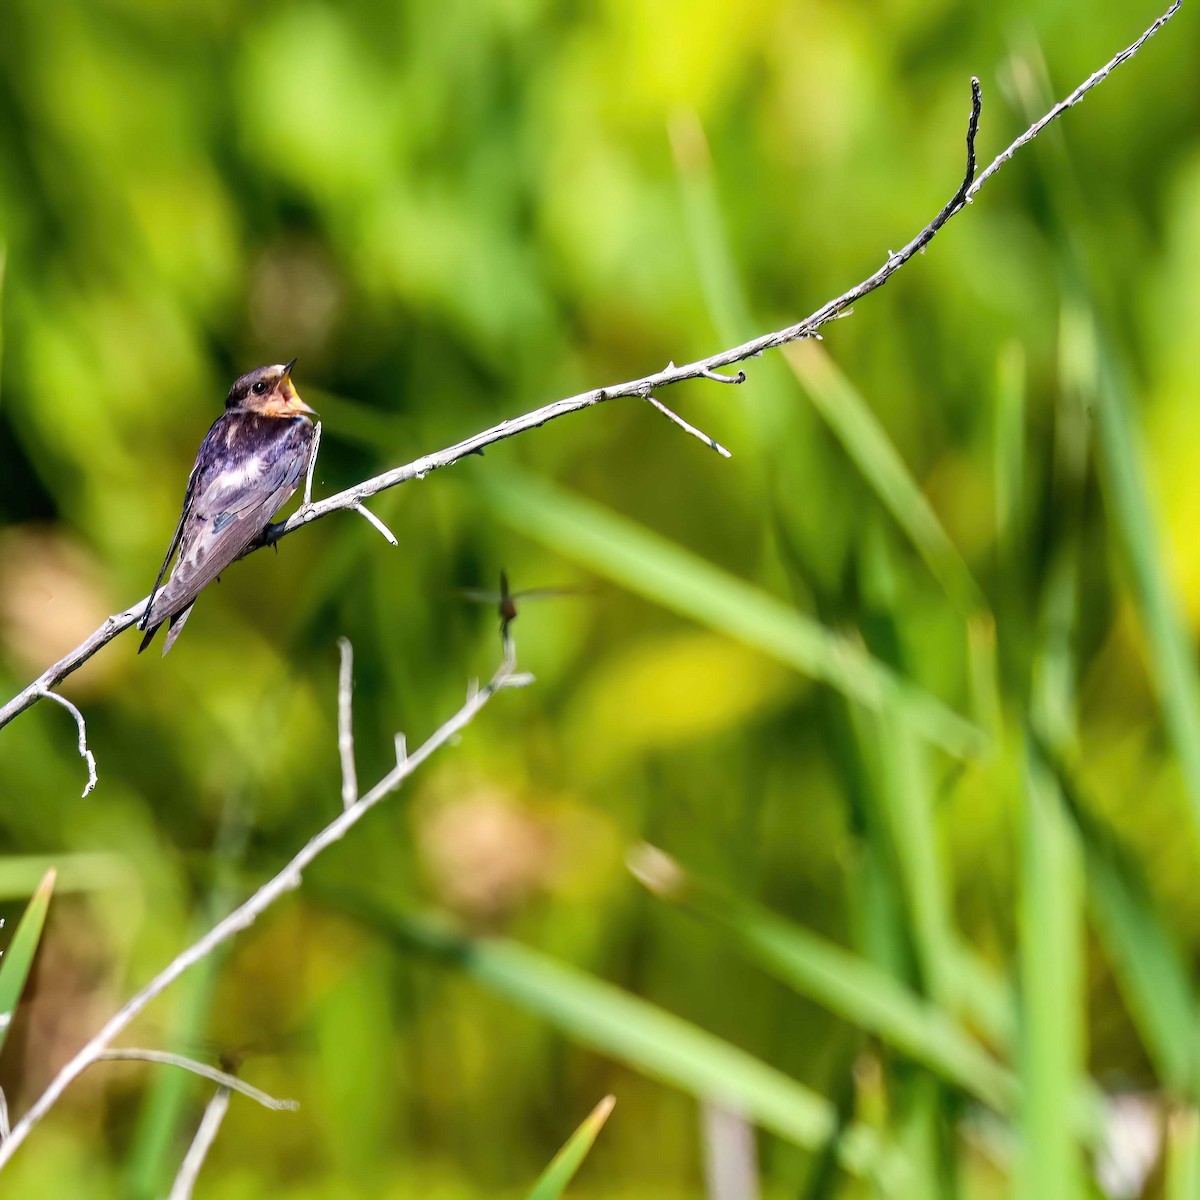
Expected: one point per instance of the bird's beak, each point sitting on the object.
(288, 390)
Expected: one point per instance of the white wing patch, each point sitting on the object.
(237, 477)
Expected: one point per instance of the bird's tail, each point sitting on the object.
(174, 623)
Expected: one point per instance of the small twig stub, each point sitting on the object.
(364, 511)
(84, 752)
(711, 443)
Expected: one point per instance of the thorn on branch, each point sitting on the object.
(711, 443)
(364, 511)
(346, 723)
(84, 752)
(401, 750)
(717, 377)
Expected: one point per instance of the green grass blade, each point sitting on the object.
(1171, 649)
(903, 796)
(919, 1124)
(845, 411)
(558, 1175)
(1183, 1156)
(612, 545)
(720, 276)
(1150, 966)
(984, 674)
(1009, 453)
(850, 986)
(153, 1145)
(1051, 949)
(18, 958)
(648, 1039)
(983, 997)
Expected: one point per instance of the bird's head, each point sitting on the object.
(268, 391)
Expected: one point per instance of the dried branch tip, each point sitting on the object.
(84, 752)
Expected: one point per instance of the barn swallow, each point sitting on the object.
(246, 469)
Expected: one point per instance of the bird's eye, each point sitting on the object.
(259, 388)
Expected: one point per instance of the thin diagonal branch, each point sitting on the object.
(251, 909)
(353, 497)
(206, 1134)
(231, 1082)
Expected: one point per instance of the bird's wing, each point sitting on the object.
(233, 500)
(188, 497)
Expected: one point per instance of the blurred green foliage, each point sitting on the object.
(907, 686)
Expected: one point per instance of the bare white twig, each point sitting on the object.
(312, 465)
(839, 306)
(346, 723)
(232, 1082)
(364, 511)
(401, 749)
(206, 1134)
(4, 1127)
(251, 909)
(84, 752)
(696, 433)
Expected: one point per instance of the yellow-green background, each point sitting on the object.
(453, 213)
